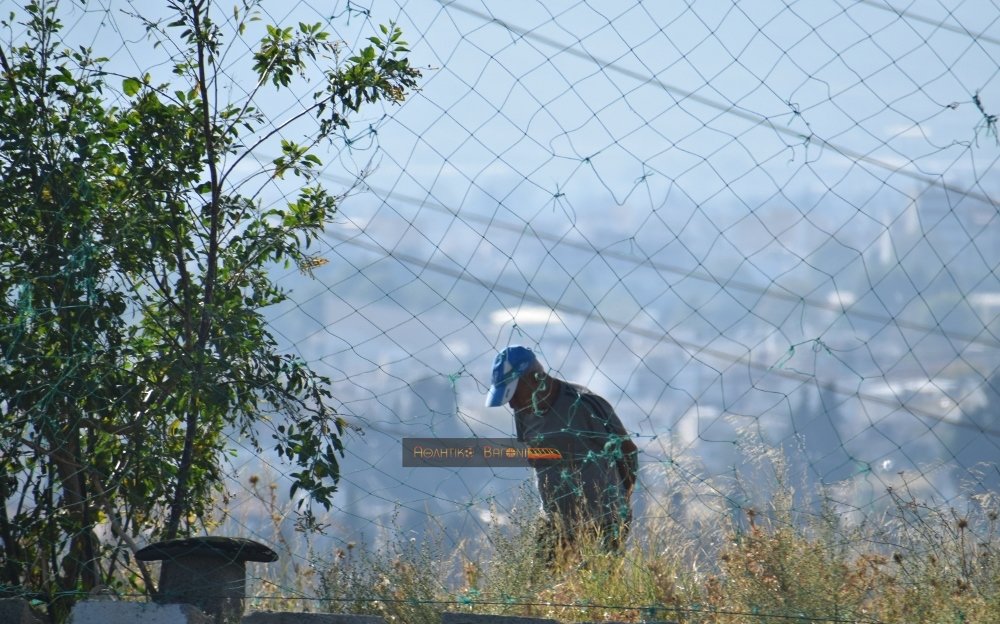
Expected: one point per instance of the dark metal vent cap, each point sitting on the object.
(228, 548)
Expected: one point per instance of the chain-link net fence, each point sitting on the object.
(765, 233)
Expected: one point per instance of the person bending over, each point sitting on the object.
(585, 494)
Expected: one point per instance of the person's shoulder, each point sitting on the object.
(585, 394)
(573, 388)
(583, 391)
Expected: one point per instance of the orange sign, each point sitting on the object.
(536, 452)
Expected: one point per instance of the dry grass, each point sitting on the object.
(770, 563)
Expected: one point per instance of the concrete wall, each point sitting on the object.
(17, 611)
(116, 612)
(284, 617)
(472, 618)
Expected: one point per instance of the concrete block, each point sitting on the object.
(114, 612)
(289, 617)
(17, 611)
(449, 617)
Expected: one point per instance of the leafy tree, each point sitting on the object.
(134, 268)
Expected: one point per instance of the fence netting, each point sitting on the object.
(767, 233)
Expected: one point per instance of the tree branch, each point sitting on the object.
(275, 130)
(117, 528)
(9, 75)
(179, 503)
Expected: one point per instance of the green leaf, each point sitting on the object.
(131, 86)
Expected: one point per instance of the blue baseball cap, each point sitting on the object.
(509, 364)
